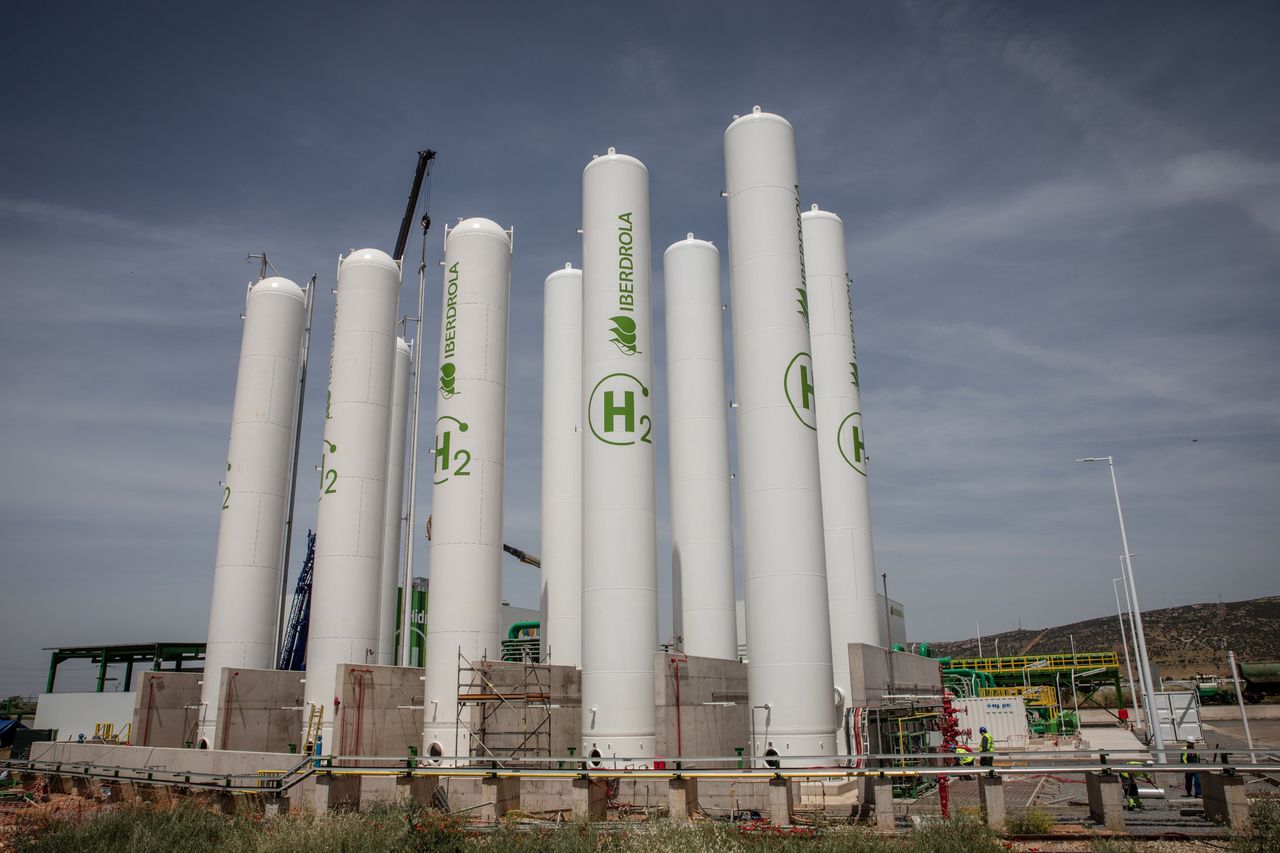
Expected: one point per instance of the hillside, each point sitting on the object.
(1182, 641)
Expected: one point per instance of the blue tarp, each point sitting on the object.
(9, 728)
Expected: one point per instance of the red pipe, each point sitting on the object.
(675, 661)
(227, 710)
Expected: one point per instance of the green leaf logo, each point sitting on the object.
(624, 334)
(803, 301)
(448, 376)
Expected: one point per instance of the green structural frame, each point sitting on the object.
(128, 654)
(1102, 668)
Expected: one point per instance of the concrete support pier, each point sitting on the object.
(323, 792)
(1225, 799)
(882, 803)
(1106, 800)
(590, 799)
(991, 795)
(418, 789)
(781, 803)
(500, 794)
(682, 799)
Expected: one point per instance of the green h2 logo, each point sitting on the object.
(618, 411)
(852, 442)
(451, 460)
(798, 384)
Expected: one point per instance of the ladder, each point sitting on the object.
(314, 719)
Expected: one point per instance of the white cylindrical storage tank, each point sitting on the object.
(255, 494)
(466, 500)
(856, 616)
(347, 580)
(619, 535)
(789, 673)
(697, 411)
(562, 467)
(388, 604)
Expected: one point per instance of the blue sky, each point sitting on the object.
(1062, 224)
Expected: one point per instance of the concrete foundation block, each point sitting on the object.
(781, 802)
(500, 794)
(590, 799)
(991, 797)
(682, 799)
(417, 789)
(1225, 800)
(276, 806)
(322, 793)
(1106, 800)
(882, 802)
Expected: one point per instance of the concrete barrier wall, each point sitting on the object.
(167, 709)
(261, 711)
(380, 710)
(712, 717)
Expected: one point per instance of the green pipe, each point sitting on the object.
(514, 631)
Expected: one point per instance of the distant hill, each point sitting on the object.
(1182, 641)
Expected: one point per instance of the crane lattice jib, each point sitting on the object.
(293, 651)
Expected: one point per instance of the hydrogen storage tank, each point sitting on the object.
(346, 587)
(701, 521)
(789, 676)
(856, 616)
(255, 494)
(466, 502)
(562, 467)
(619, 540)
(388, 607)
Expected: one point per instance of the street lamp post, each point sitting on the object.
(1124, 643)
(1144, 661)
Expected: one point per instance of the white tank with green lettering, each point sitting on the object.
(466, 500)
(789, 677)
(353, 482)
(856, 616)
(619, 541)
(255, 492)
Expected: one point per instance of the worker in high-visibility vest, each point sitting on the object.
(1190, 757)
(1129, 781)
(986, 745)
(964, 757)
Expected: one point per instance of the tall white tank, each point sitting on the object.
(789, 677)
(346, 587)
(851, 576)
(255, 494)
(619, 537)
(562, 467)
(466, 501)
(701, 521)
(388, 604)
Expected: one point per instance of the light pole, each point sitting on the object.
(1144, 661)
(1124, 643)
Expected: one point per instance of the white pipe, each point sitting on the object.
(394, 513)
(1244, 718)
